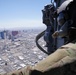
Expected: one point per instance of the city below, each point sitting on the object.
(18, 49)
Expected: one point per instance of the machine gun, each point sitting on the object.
(48, 20)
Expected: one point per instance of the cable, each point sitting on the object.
(36, 40)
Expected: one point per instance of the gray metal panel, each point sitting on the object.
(60, 42)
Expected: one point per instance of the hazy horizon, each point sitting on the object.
(21, 13)
(22, 28)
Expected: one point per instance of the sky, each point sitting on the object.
(21, 13)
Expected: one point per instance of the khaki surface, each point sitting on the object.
(63, 55)
(61, 62)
